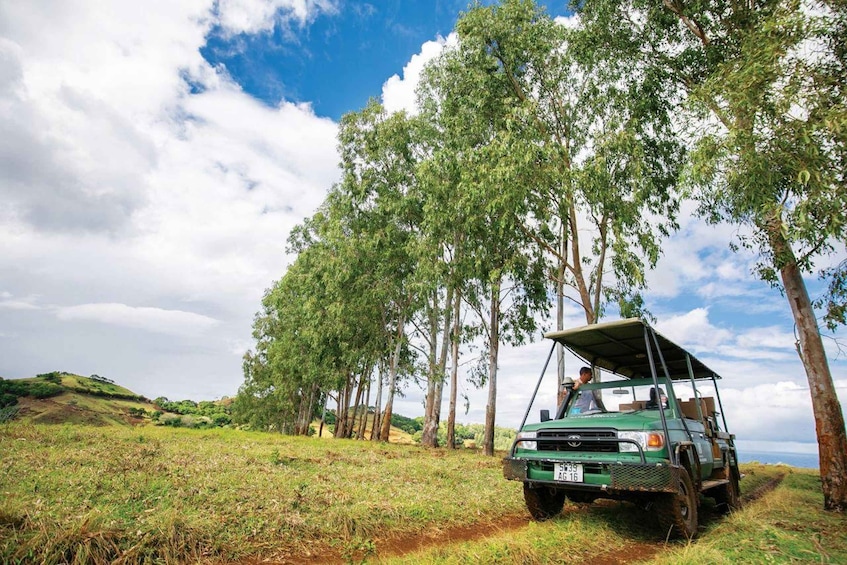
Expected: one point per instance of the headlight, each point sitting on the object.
(649, 441)
(527, 444)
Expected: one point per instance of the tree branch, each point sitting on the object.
(691, 23)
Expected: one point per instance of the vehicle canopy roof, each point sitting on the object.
(620, 347)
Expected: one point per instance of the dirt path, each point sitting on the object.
(634, 552)
(762, 489)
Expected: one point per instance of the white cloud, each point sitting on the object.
(694, 330)
(250, 17)
(399, 93)
(8, 302)
(569, 22)
(123, 184)
(176, 322)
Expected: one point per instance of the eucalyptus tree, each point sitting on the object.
(395, 194)
(764, 86)
(474, 192)
(289, 371)
(352, 298)
(598, 159)
(379, 155)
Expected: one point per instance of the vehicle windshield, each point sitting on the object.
(616, 397)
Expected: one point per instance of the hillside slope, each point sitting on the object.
(66, 398)
(57, 398)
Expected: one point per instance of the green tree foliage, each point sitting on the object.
(37, 389)
(763, 84)
(408, 425)
(584, 151)
(538, 146)
(208, 413)
(466, 211)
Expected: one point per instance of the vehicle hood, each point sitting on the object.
(635, 421)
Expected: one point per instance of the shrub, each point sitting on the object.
(171, 420)
(52, 377)
(44, 390)
(101, 379)
(220, 419)
(8, 413)
(7, 399)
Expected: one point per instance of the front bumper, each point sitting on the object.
(616, 476)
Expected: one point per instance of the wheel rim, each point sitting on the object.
(684, 502)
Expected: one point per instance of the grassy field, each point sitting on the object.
(83, 494)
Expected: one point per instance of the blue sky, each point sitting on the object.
(155, 156)
(336, 61)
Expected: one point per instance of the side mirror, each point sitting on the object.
(545, 415)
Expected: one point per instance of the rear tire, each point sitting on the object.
(678, 512)
(726, 496)
(543, 503)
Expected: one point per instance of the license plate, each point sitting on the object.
(567, 472)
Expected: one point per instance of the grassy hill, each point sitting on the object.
(65, 398)
(59, 397)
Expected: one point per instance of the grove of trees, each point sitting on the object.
(545, 164)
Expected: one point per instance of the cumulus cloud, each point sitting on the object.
(143, 185)
(250, 17)
(694, 329)
(399, 93)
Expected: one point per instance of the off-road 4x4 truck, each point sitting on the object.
(634, 438)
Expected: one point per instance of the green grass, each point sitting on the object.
(82, 494)
(785, 525)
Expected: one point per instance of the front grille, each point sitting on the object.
(645, 477)
(578, 440)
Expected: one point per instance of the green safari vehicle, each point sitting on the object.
(629, 434)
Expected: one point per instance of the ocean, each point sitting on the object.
(806, 460)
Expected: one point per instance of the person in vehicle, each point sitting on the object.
(587, 399)
(653, 403)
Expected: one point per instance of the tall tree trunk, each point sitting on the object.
(493, 350)
(343, 419)
(305, 411)
(442, 361)
(454, 370)
(364, 422)
(356, 406)
(341, 411)
(829, 419)
(560, 306)
(385, 431)
(437, 365)
(429, 437)
(377, 427)
(578, 273)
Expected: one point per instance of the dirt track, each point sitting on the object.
(635, 552)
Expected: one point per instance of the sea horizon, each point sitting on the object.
(801, 460)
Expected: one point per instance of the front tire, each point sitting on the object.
(678, 512)
(726, 496)
(543, 503)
